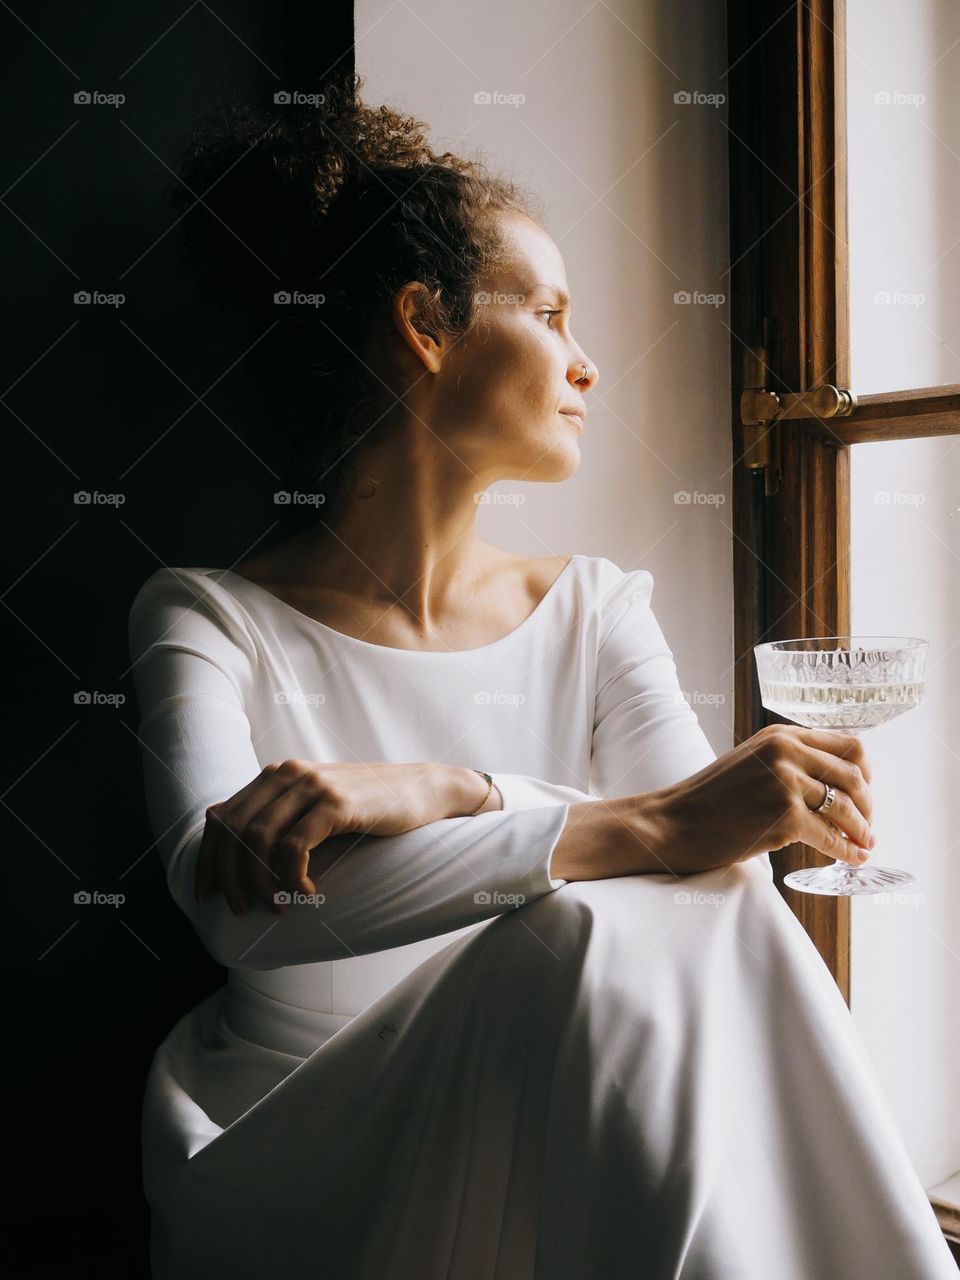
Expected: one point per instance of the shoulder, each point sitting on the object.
(187, 607)
(598, 573)
(601, 581)
(614, 590)
(607, 598)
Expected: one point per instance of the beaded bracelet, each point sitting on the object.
(487, 796)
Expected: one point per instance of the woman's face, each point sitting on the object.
(501, 391)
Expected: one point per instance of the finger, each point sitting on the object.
(240, 859)
(262, 880)
(205, 870)
(844, 775)
(265, 874)
(233, 851)
(293, 851)
(258, 880)
(248, 861)
(320, 821)
(230, 851)
(846, 745)
(217, 841)
(843, 813)
(822, 834)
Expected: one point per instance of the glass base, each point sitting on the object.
(841, 879)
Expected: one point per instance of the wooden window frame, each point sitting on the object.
(787, 122)
(789, 295)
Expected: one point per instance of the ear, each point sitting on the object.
(407, 313)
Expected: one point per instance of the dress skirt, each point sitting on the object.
(629, 1077)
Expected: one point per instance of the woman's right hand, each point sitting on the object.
(761, 796)
(259, 840)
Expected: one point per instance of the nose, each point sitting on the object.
(583, 374)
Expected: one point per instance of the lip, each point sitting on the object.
(577, 415)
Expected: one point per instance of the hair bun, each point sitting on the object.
(254, 187)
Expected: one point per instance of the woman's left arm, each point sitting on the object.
(195, 666)
(258, 843)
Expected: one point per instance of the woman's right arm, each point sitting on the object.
(758, 797)
(683, 809)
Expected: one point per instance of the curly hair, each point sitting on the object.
(347, 203)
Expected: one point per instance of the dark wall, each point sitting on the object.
(111, 400)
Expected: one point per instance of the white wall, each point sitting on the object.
(636, 188)
(905, 332)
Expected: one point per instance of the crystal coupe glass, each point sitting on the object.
(847, 684)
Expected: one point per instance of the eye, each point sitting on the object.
(550, 313)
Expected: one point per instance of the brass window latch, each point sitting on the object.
(762, 410)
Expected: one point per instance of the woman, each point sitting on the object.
(511, 992)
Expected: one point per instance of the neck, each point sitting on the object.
(406, 535)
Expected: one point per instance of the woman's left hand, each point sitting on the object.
(257, 843)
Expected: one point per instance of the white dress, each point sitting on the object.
(457, 1066)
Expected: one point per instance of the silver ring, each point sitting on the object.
(828, 799)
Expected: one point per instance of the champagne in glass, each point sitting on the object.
(847, 684)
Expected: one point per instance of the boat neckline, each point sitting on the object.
(342, 636)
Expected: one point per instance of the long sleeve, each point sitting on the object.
(645, 733)
(195, 666)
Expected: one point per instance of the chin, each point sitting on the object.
(558, 463)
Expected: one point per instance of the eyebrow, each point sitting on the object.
(562, 298)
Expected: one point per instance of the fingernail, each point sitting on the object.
(862, 855)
